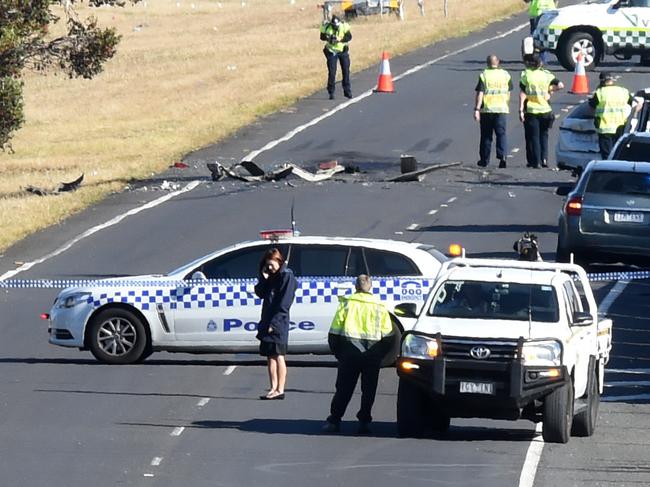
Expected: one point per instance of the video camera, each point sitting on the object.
(527, 248)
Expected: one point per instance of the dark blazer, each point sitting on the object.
(277, 292)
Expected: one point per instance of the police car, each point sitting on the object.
(616, 27)
(209, 305)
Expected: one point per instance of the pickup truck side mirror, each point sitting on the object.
(582, 318)
(406, 310)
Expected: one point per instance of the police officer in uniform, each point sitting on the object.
(491, 110)
(360, 337)
(611, 104)
(536, 85)
(336, 34)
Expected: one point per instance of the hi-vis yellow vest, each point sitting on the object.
(612, 109)
(361, 317)
(537, 83)
(328, 28)
(538, 7)
(496, 83)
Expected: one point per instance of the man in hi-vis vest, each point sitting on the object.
(336, 34)
(491, 110)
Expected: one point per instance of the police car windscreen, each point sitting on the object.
(619, 183)
(496, 300)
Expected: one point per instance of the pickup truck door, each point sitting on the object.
(583, 339)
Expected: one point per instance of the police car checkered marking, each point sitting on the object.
(629, 38)
(547, 37)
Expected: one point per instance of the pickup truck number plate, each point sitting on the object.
(626, 217)
(477, 387)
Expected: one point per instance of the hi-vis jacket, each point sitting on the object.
(538, 7)
(362, 320)
(612, 108)
(536, 83)
(342, 34)
(496, 84)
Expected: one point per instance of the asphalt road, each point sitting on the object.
(195, 420)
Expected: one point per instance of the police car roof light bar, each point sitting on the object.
(275, 235)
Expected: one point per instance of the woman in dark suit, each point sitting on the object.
(276, 286)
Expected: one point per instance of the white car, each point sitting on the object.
(209, 305)
(505, 340)
(616, 27)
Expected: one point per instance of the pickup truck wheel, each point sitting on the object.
(117, 336)
(570, 46)
(557, 416)
(584, 423)
(411, 402)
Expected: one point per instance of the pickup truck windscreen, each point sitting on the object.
(496, 300)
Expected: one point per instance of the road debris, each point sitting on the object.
(255, 173)
(320, 175)
(60, 188)
(416, 175)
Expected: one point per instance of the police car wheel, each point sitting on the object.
(117, 336)
(557, 416)
(570, 46)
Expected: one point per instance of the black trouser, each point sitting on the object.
(533, 23)
(606, 142)
(536, 129)
(344, 59)
(492, 123)
(346, 381)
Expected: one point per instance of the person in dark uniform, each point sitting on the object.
(276, 286)
(336, 34)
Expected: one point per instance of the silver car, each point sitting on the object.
(606, 217)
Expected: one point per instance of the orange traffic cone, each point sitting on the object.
(385, 81)
(580, 85)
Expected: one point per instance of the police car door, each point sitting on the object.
(227, 312)
(632, 24)
(324, 272)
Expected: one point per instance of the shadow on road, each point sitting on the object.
(489, 228)
(211, 363)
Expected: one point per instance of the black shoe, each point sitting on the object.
(481, 163)
(331, 96)
(364, 429)
(502, 164)
(544, 164)
(331, 428)
(348, 95)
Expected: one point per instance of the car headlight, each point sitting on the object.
(543, 353)
(72, 300)
(418, 346)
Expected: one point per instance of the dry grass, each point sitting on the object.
(186, 74)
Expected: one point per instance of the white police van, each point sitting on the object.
(209, 305)
(616, 27)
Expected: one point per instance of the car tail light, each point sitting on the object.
(574, 206)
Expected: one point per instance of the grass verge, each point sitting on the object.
(187, 74)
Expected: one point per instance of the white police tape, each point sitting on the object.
(618, 276)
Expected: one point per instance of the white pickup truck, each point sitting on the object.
(616, 27)
(504, 339)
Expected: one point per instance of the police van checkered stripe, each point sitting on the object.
(624, 37)
(547, 37)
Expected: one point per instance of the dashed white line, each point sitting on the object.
(229, 370)
(148, 475)
(452, 199)
(444, 205)
(178, 431)
(433, 212)
(156, 461)
(533, 455)
(203, 402)
(412, 226)
(611, 296)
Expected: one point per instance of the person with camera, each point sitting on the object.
(276, 286)
(336, 34)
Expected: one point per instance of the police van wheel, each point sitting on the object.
(584, 423)
(117, 336)
(411, 402)
(557, 416)
(569, 47)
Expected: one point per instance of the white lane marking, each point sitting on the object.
(203, 402)
(114, 221)
(291, 134)
(444, 205)
(515, 150)
(229, 370)
(412, 226)
(433, 212)
(628, 371)
(156, 461)
(399, 233)
(178, 431)
(611, 296)
(148, 475)
(629, 383)
(533, 455)
(452, 199)
(636, 397)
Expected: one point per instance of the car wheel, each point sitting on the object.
(557, 416)
(562, 254)
(584, 423)
(411, 412)
(645, 60)
(117, 336)
(575, 43)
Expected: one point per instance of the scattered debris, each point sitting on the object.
(408, 164)
(511, 194)
(179, 165)
(320, 175)
(61, 188)
(352, 169)
(219, 172)
(167, 186)
(324, 166)
(415, 175)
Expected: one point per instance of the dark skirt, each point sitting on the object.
(272, 349)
